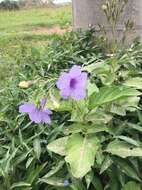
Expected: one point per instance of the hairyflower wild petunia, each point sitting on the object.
(36, 114)
(66, 183)
(73, 84)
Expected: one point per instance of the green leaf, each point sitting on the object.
(77, 184)
(106, 164)
(114, 183)
(97, 183)
(33, 173)
(20, 184)
(81, 154)
(120, 107)
(58, 146)
(54, 169)
(108, 78)
(131, 185)
(128, 140)
(29, 161)
(99, 67)
(140, 116)
(37, 148)
(134, 82)
(55, 181)
(89, 178)
(127, 168)
(79, 110)
(123, 149)
(91, 88)
(96, 129)
(87, 129)
(110, 94)
(98, 117)
(135, 127)
(75, 128)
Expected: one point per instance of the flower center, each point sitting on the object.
(73, 83)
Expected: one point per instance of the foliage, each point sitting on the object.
(114, 11)
(19, 34)
(94, 143)
(12, 5)
(9, 5)
(16, 28)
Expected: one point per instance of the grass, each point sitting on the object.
(27, 28)
(17, 26)
(25, 20)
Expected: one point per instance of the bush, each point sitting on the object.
(9, 5)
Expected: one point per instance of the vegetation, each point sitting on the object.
(18, 32)
(16, 28)
(9, 5)
(20, 4)
(93, 143)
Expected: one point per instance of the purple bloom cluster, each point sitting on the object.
(73, 84)
(37, 115)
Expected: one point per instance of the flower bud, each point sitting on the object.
(104, 7)
(25, 84)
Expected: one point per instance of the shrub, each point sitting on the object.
(9, 5)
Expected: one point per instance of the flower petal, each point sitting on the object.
(66, 182)
(49, 112)
(81, 80)
(63, 81)
(78, 94)
(36, 116)
(75, 71)
(65, 93)
(27, 108)
(46, 118)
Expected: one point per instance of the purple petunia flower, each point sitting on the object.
(66, 183)
(73, 84)
(37, 115)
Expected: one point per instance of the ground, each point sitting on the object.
(32, 25)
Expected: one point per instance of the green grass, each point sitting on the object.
(25, 28)
(25, 20)
(22, 25)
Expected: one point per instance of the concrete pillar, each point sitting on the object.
(89, 12)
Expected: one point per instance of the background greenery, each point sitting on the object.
(26, 28)
(31, 25)
(28, 159)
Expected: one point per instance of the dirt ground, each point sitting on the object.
(54, 30)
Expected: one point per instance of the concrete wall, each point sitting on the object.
(89, 12)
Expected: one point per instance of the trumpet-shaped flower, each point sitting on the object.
(36, 114)
(73, 84)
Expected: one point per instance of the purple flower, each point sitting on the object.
(73, 83)
(66, 182)
(37, 115)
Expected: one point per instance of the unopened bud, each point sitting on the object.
(25, 84)
(104, 7)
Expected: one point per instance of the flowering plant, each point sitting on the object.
(90, 132)
(92, 139)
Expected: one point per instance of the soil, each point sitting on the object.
(54, 30)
